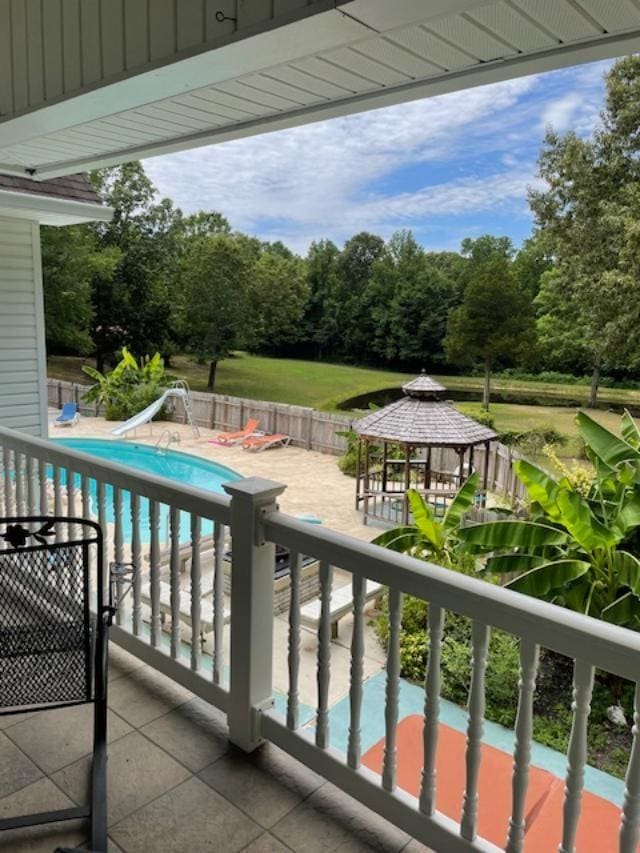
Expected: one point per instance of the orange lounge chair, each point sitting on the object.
(236, 437)
(264, 442)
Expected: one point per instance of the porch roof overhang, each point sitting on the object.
(94, 87)
(63, 201)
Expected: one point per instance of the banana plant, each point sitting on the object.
(573, 550)
(428, 537)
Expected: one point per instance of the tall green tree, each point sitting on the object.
(321, 317)
(494, 323)
(588, 216)
(216, 305)
(278, 293)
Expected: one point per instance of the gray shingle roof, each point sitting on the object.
(69, 188)
(430, 423)
(423, 386)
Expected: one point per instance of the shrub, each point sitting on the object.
(485, 418)
(129, 387)
(533, 440)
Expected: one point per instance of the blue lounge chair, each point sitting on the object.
(68, 416)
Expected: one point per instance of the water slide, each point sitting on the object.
(150, 412)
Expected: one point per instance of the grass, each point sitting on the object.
(324, 386)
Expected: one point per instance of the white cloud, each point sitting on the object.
(458, 155)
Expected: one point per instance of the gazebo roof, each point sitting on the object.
(422, 420)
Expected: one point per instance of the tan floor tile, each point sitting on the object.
(191, 817)
(266, 784)
(16, 770)
(53, 739)
(331, 821)
(8, 720)
(37, 797)
(145, 695)
(121, 662)
(266, 844)
(138, 772)
(194, 733)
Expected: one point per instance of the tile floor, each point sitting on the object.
(175, 783)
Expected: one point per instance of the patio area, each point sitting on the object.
(175, 782)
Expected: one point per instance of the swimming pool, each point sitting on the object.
(176, 466)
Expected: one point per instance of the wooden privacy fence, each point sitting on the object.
(307, 427)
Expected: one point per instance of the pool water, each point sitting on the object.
(176, 466)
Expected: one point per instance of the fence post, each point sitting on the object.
(252, 581)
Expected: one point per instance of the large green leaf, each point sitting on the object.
(544, 579)
(624, 611)
(424, 520)
(603, 443)
(401, 539)
(627, 568)
(582, 524)
(628, 518)
(501, 535)
(542, 489)
(505, 563)
(460, 504)
(629, 430)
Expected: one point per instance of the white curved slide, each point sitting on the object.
(149, 413)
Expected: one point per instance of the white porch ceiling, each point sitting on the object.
(300, 62)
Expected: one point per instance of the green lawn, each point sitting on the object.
(324, 386)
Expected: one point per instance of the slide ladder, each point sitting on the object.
(188, 408)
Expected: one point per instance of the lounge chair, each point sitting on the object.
(236, 437)
(263, 442)
(68, 416)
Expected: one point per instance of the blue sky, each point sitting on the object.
(448, 167)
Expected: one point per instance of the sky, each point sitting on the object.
(449, 167)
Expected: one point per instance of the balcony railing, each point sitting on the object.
(40, 477)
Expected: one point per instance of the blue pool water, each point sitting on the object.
(180, 467)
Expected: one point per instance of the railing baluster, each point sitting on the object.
(357, 669)
(43, 484)
(102, 521)
(174, 574)
(154, 571)
(431, 710)
(522, 754)
(630, 825)
(475, 728)
(218, 602)
(577, 755)
(293, 697)
(8, 482)
(392, 691)
(85, 489)
(136, 559)
(21, 508)
(324, 655)
(32, 485)
(3, 497)
(196, 593)
(57, 499)
(118, 545)
(71, 499)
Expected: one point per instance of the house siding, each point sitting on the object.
(22, 340)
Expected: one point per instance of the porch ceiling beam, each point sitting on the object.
(603, 47)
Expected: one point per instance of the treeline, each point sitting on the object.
(568, 300)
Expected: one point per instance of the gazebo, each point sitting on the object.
(418, 441)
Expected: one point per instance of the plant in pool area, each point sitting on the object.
(429, 538)
(576, 549)
(131, 385)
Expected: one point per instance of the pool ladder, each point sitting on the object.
(166, 439)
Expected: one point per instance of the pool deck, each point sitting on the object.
(315, 484)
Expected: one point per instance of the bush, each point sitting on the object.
(533, 440)
(130, 387)
(484, 418)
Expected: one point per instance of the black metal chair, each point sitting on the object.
(55, 613)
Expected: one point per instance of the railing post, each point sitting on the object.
(252, 577)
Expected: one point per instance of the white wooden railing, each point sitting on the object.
(34, 473)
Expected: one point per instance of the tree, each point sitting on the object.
(354, 270)
(70, 259)
(216, 308)
(531, 262)
(588, 218)
(561, 335)
(494, 322)
(320, 320)
(278, 294)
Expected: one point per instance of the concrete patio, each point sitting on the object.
(175, 783)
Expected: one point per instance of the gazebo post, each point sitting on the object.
(461, 466)
(427, 471)
(485, 479)
(471, 468)
(358, 473)
(407, 483)
(365, 483)
(384, 466)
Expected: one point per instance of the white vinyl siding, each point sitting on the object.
(22, 342)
